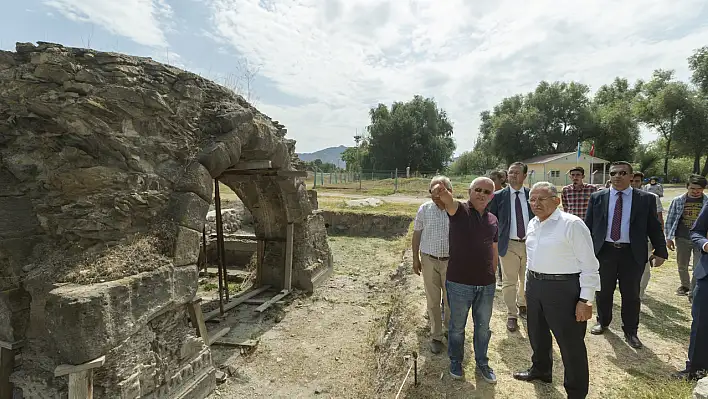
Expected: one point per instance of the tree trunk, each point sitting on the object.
(705, 168)
(668, 149)
(697, 162)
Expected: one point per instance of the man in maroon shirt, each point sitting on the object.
(471, 273)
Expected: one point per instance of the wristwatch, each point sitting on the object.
(583, 300)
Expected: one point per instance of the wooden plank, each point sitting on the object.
(218, 335)
(236, 301)
(259, 301)
(272, 301)
(7, 364)
(81, 385)
(226, 341)
(250, 165)
(195, 314)
(64, 369)
(289, 231)
(12, 345)
(260, 252)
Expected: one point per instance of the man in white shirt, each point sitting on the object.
(430, 238)
(563, 276)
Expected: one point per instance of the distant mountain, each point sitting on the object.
(331, 155)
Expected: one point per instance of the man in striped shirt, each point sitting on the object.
(430, 238)
(575, 197)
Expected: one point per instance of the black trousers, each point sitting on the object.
(551, 308)
(619, 264)
(698, 345)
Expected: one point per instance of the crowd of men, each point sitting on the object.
(552, 264)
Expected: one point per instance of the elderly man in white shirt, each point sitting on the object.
(430, 238)
(562, 278)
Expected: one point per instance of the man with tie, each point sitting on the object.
(620, 220)
(697, 364)
(510, 206)
(562, 280)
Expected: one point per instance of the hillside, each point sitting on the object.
(331, 154)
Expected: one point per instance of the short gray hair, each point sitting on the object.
(481, 178)
(441, 179)
(547, 185)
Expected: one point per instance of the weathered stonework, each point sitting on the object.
(96, 151)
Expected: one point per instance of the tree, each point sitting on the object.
(615, 132)
(698, 64)
(660, 105)
(415, 133)
(692, 132)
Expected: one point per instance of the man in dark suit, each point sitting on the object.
(511, 207)
(620, 220)
(697, 364)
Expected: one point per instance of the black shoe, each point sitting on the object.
(682, 291)
(687, 375)
(633, 341)
(532, 375)
(599, 329)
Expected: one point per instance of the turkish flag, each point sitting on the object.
(592, 150)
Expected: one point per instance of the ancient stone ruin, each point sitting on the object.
(107, 168)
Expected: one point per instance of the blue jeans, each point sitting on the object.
(461, 298)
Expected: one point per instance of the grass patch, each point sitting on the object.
(387, 208)
(415, 186)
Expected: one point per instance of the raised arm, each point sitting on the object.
(450, 204)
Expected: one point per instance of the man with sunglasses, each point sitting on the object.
(561, 283)
(510, 206)
(470, 273)
(620, 220)
(430, 256)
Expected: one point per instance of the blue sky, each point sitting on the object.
(321, 64)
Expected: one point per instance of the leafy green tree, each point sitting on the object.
(415, 133)
(614, 129)
(698, 64)
(692, 132)
(660, 105)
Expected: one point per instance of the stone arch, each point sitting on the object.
(274, 201)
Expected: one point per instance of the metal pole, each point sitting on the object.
(395, 187)
(415, 368)
(204, 245)
(219, 236)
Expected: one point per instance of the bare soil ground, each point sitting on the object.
(321, 345)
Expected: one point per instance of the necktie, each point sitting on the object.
(520, 227)
(617, 219)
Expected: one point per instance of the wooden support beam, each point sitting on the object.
(7, 364)
(225, 341)
(260, 252)
(80, 377)
(289, 231)
(236, 301)
(195, 314)
(250, 165)
(218, 335)
(272, 301)
(12, 345)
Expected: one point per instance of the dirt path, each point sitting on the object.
(319, 345)
(396, 198)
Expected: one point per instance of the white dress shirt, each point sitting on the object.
(435, 226)
(524, 210)
(562, 244)
(626, 212)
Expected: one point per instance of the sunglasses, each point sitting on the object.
(483, 190)
(621, 173)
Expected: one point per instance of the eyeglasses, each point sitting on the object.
(534, 200)
(482, 190)
(621, 173)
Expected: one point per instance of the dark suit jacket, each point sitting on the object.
(500, 207)
(698, 235)
(643, 222)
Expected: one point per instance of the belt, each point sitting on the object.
(518, 240)
(556, 277)
(437, 257)
(617, 245)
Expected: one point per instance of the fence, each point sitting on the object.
(381, 181)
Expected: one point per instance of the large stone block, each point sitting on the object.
(18, 218)
(189, 210)
(215, 158)
(233, 146)
(185, 284)
(196, 179)
(186, 246)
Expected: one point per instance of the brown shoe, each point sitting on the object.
(511, 324)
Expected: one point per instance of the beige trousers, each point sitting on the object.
(513, 266)
(434, 275)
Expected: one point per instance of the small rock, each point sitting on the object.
(220, 377)
(701, 389)
(280, 359)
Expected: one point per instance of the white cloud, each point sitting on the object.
(350, 55)
(142, 21)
